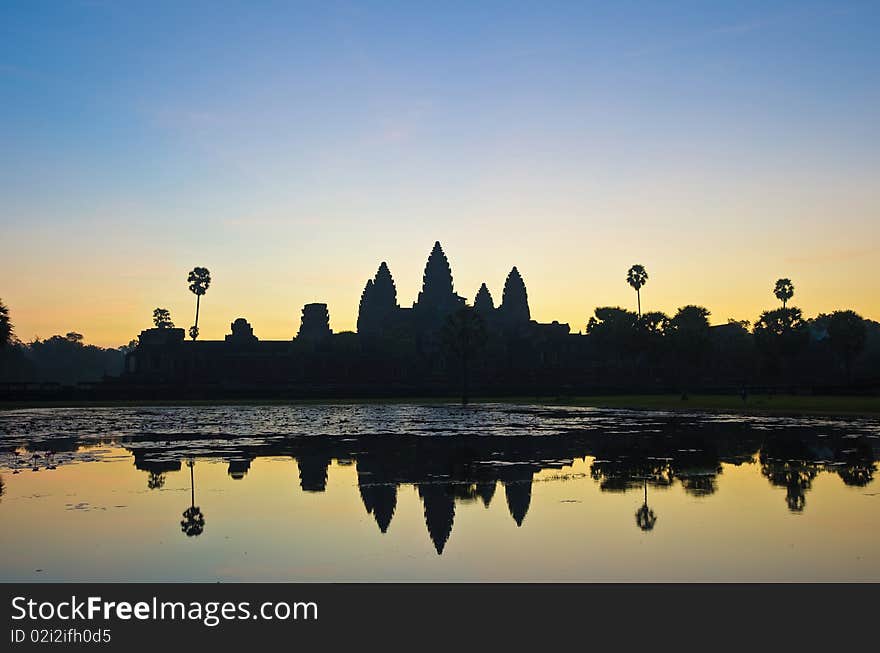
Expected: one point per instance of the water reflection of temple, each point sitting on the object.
(448, 471)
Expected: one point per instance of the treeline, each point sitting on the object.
(781, 349)
(60, 359)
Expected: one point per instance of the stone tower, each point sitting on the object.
(483, 303)
(315, 323)
(242, 332)
(384, 291)
(514, 307)
(437, 296)
(378, 302)
(365, 322)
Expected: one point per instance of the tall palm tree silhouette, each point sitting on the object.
(645, 517)
(193, 522)
(199, 279)
(637, 277)
(784, 290)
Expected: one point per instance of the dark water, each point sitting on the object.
(403, 492)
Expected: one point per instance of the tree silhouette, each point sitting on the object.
(613, 335)
(6, 330)
(780, 335)
(784, 290)
(796, 476)
(464, 334)
(193, 522)
(162, 318)
(637, 277)
(645, 517)
(846, 335)
(689, 330)
(654, 322)
(612, 327)
(156, 481)
(199, 279)
(858, 474)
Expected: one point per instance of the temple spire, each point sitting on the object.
(514, 300)
(483, 301)
(315, 323)
(437, 281)
(364, 321)
(519, 496)
(384, 290)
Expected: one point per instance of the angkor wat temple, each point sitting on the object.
(395, 350)
(442, 346)
(380, 316)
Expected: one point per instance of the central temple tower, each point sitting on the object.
(437, 298)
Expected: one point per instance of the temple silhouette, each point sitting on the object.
(444, 344)
(396, 349)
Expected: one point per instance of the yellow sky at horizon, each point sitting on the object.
(110, 308)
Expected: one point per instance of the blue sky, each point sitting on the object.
(291, 147)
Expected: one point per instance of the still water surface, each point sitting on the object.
(403, 492)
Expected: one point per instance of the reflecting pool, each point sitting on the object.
(438, 493)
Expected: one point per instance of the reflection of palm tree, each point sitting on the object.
(645, 517)
(193, 522)
(156, 481)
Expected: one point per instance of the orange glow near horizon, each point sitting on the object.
(111, 306)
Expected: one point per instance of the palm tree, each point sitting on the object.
(637, 277)
(784, 290)
(193, 522)
(199, 279)
(780, 336)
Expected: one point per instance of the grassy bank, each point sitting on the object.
(754, 404)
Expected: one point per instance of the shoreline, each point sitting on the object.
(759, 404)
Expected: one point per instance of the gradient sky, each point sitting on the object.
(291, 147)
